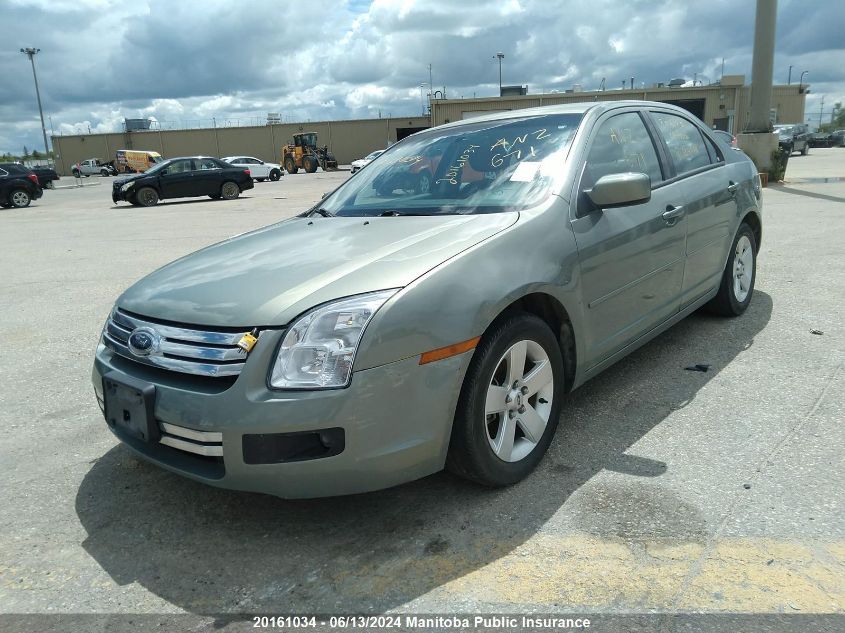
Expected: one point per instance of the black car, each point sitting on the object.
(18, 189)
(821, 139)
(837, 138)
(794, 138)
(183, 177)
(45, 175)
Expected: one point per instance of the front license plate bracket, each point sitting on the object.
(130, 406)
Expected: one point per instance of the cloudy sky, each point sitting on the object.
(184, 63)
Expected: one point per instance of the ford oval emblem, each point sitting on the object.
(144, 341)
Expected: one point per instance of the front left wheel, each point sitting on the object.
(509, 404)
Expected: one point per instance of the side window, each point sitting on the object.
(207, 163)
(683, 140)
(179, 166)
(621, 144)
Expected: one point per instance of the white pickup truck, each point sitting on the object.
(92, 166)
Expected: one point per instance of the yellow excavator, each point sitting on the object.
(304, 153)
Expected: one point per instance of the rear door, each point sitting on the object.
(208, 177)
(178, 181)
(631, 257)
(710, 200)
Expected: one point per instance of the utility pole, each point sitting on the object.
(821, 109)
(789, 78)
(501, 56)
(31, 52)
(762, 65)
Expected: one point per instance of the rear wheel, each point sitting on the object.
(147, 197)
(290, 165)
(738, 278)
(20, 198)
(105, 173)
(230, 190)
(275, 174)
(509, 404)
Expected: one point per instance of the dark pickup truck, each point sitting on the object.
(45, 175)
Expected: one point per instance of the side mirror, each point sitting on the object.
(164, 172)
(262, 162)
(615, 190)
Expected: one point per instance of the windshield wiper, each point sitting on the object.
(390, 213)
(323, 212)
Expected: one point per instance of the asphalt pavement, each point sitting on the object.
(664, 490)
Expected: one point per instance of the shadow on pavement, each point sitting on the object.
(212, 551)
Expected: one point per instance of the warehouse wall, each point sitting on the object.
(348, 140)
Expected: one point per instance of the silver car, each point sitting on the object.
(395, 330)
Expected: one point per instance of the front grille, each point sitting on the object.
(202, 352)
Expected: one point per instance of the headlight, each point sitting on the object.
(128, 186)
(318, 349)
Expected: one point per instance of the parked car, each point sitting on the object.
(377, 338)
(837, 138)
(183, 178)
(820, 139)
(93, 166)
(794, 138)
(359, 164)
(44, 175)
(725, 137)
(17, 188)
(259, 169)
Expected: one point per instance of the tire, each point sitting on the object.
(230, 190)
(19, 198)
(147, 197)
(105, 173)
(275, 174)
(790, 149)
(423, 182)
(480, 448)
(290, 165)
(730, 300)
(309, 164)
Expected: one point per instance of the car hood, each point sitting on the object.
(269, 276)
(124, 179)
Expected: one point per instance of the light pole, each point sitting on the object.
(422, 103)
(789, 78)
(30, 52)
(500, 56)
(821, 110)
(801, 81)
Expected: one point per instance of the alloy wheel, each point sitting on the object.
(743, 268)
(20, 198)
(519, 401)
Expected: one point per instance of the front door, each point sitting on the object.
(178, 181)
(631, 257)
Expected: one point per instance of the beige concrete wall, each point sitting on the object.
(718, 101)
(348, 140)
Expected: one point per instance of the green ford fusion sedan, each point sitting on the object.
(433, 311)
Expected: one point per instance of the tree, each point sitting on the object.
(25, 152)
(36, 154)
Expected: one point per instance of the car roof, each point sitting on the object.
(581, 107)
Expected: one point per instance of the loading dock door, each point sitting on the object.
(693, 106)
(402, 132)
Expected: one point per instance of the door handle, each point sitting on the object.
(733, 188)
(672, 214)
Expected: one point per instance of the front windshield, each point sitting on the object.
(156, 159)
(783, 130)
(372, 155)
(483, 167)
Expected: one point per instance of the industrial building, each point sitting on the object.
(724, 106)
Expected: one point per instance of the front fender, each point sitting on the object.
(459, 299)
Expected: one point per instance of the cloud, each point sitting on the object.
(188, 63)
